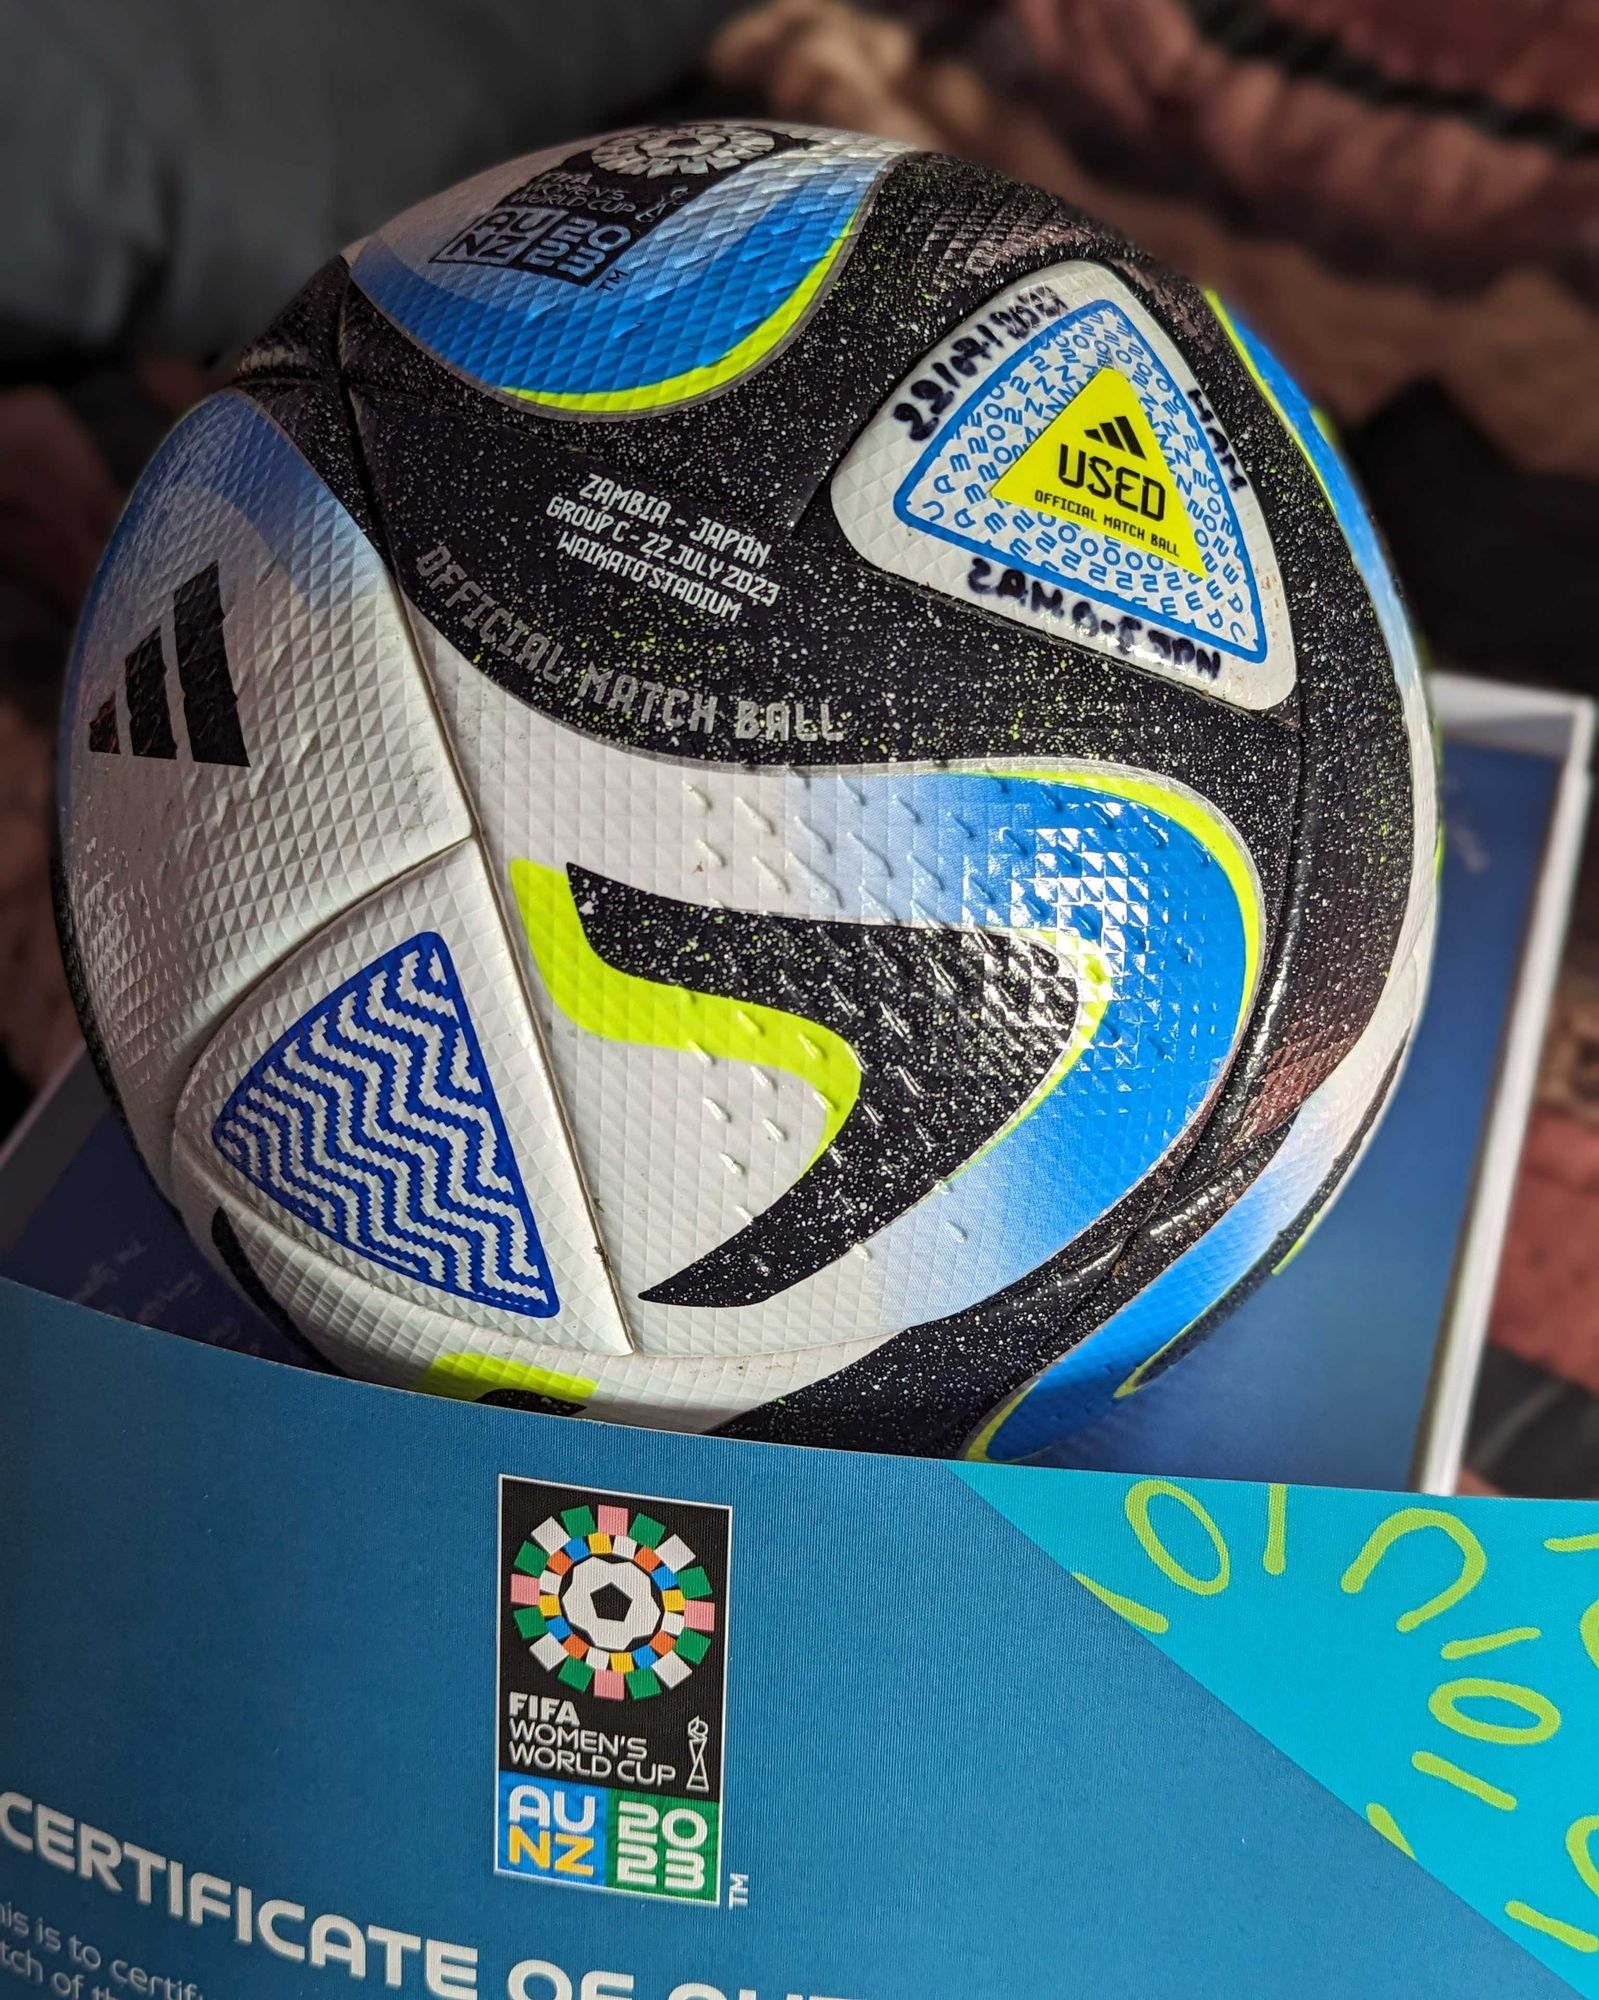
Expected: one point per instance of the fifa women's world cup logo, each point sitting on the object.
(609, 1601)
(611, 1668)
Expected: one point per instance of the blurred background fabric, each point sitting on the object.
(189, 162)
(1403, 195)
(174, 172)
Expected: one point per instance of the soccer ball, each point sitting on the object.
(749, 780)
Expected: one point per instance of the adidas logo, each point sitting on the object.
(210, 706)
(1118, 433)
(1098, 461)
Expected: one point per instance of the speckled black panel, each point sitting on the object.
(316, 419)
(225, 1241)
(302, 343)
(292, 371)
(939, 239)
(953, 1030)
(1195, 1206)
(887, 671)
(905, 674)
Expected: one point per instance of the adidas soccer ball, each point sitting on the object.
(749, 780)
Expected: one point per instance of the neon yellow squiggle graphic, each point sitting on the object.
(1147, 1367)
(467, 1378)
(621, 1007)
(1202, 822)
(1214, 834)
(1553, 1927)
(1383, 1820)
(1096, 988)
(1415, 1521)
(755, 347)
(1126, 1607)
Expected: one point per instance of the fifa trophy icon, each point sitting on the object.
(699, 1731)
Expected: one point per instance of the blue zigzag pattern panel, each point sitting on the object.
(374, 1121)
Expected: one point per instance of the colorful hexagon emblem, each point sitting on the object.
(611, 1603)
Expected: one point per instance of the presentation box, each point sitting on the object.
(1231, 1697)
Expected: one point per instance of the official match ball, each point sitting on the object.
(754, 781)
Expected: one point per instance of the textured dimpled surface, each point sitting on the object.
(360, 1125)
(375, 1120)
(747, 780)
(1132, 905)
(1001, 473)
(613, 279)
(190, 878)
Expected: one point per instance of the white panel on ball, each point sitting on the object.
(380, 1102)
(248, 746)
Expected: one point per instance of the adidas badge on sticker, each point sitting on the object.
(373, 1120)
(1110, 474)
(1054, 460)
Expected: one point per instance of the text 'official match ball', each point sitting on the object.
(750, 780)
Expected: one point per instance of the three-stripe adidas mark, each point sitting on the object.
(210, 706)
(1118, 433)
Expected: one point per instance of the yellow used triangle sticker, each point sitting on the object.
(1098, 461)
